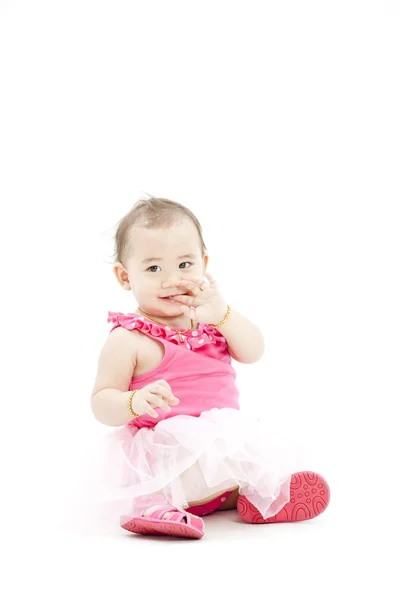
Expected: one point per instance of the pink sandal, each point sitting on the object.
(309, 498)
(166, 520)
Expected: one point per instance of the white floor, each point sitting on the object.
(335, 555)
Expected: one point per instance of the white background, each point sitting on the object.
(278, 124)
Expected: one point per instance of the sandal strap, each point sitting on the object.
(178, 516)
(178, 513)
(158, 512)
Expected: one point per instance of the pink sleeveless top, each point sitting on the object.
(198, 369)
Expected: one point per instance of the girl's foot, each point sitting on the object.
(309, 497)
(165, 520)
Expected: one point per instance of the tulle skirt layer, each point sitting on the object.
(185, 460)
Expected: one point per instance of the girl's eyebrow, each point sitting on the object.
(155, 258)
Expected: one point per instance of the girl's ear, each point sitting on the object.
(122, 276)
(205, 263)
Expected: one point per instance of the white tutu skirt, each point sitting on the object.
(185, 460)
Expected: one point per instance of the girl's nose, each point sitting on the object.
(168, 283)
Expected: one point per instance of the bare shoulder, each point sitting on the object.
(117, 360)
(125, 338)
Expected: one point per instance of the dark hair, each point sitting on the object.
(152, 213)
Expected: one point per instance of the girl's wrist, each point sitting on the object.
(132, 412)
(131, 404)
(223, 317)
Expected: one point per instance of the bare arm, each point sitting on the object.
(244, 338)
(116, 365)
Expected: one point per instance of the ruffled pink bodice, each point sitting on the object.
(193, 340)
(198, 369)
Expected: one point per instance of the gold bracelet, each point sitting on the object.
(130, 404)
(224, 319)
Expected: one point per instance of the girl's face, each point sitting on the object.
(161, 255)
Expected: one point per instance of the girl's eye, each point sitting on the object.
(155, 266)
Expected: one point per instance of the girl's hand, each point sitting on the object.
(157, 394)
(203, 301)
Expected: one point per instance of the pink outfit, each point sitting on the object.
(204, 446)
(202, 379)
